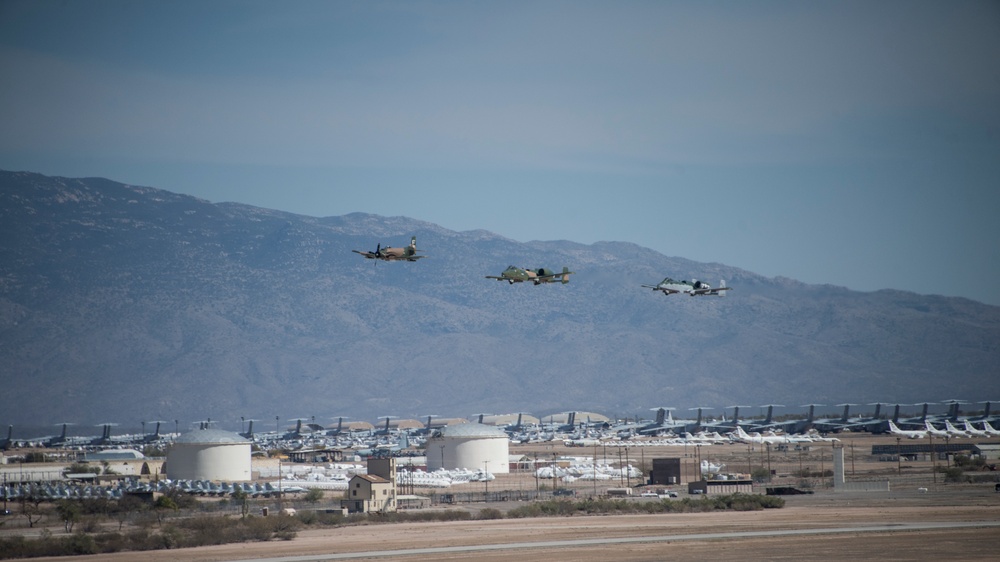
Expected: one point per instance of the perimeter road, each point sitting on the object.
(627, 540)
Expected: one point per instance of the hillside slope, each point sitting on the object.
(122, 303)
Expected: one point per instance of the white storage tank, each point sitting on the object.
(472, 446)
(209, 454)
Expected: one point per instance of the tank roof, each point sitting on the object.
(211, 437)
(472, 430)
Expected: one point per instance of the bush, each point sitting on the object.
(489, 513)
(530, 510)
(953, 474)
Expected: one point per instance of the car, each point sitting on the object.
(563, 492)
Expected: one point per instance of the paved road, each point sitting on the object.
(628, 540)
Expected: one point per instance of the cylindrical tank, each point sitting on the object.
(209, 454)
(472, 446)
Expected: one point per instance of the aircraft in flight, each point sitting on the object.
(538, 276)
(409, 253)
(693, 288)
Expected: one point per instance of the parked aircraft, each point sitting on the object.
(340, 427)
(726, 425)
(990, 430)
(954, 431)
(664, 422)
(57, 440)
(935, 431)
(693, 288)
(538, 276)
(155, 436)
(971, 431)
(249, 431)
(909, 434)
(768, 422)
(758, 438)
(409, 253)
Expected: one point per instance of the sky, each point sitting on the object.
(847, 143)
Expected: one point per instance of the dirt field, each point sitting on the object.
(839, 521)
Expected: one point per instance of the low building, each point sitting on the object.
(721, 487)
(367, 493)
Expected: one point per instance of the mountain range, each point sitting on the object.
(121, 303)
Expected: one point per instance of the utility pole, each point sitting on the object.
(899, 456)
(930, 436)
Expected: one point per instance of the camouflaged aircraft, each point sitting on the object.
(694, 288)
(537, 276)
(409, 253)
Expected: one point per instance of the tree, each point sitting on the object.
(69, 513)
(31, 509)
(162, 505)
(240, 496)
(126, 507)
(313, 495)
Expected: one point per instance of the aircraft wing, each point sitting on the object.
(369, 255)
(413, 258)
(708, 291)
(665, 290)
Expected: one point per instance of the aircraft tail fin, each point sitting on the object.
(565, 275)
(722, 285)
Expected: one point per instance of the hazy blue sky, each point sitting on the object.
(850, 143)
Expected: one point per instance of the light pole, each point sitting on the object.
(486, 479)
(930, 437)
(769, 462)
(899, 466)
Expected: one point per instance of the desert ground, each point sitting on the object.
(920, 518)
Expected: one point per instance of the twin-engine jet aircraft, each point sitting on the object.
(409, 253)
(694, 288)
(537, 276)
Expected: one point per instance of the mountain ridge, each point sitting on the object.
(138, 303)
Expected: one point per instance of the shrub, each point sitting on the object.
(530, 510)
(490, 513)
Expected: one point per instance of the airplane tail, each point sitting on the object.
(722, 285)
(565, 275)
(661, 415)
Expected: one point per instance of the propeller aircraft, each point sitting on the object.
(693, 288)
(409, 253)
(538, 276)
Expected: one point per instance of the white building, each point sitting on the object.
(472, 446)
(209, 454)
